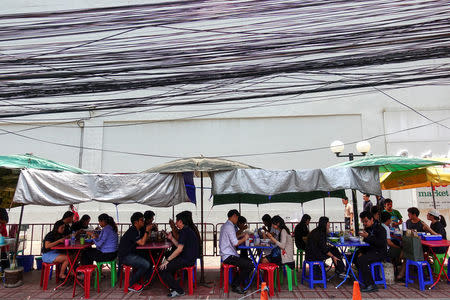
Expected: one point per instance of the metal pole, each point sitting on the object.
(117, 212)
(239, 206)
(173, 212)
(432, 193)
(202, 264)
(324, 206)
(18, 232)
(355, 203)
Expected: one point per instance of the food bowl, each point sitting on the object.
(353, 239)
(333, 239)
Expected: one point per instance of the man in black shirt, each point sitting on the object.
(184, 255)
(367, 204)
(127, 251)
(375, 235)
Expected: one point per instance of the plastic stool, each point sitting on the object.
(419, 265)
(45, 273)
(435, 266)
(126, 281)
(226, 276)
(310, 279)
(270, 268)
(289, 272)
(300, 254)
(378, 278)
(112, 265)
(192, 278)
(87, 270)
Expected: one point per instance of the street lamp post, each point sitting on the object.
(363, 147)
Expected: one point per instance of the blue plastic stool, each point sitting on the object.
(378, 277)
(419, 265)
(310, 279)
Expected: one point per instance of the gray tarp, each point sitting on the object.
(265, 182)
(50, 188)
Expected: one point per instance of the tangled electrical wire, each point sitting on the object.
(170, 54)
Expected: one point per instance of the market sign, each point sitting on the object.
(441, 196)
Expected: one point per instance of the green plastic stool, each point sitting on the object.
(435, 266)
(289, 272)
(112, 265)
(300, 254)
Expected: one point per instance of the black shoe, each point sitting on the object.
(238, 290)
(369, 289)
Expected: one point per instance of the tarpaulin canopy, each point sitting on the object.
(258, 186)
(63, 188)
(390, 163)
(415, 178)
(10, 166)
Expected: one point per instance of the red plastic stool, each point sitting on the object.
(192, 278)
(45, 273)
(126, 283)
(87, 270)
(226, 276)
(270, 268)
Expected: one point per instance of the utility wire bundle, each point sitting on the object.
(170, 54)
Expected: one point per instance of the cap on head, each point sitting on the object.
(434, 213)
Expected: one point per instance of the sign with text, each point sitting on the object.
(441, 196)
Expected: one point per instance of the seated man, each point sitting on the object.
(396, 216)
(413, 222)
(127, 252)
(241, 226)
(227, 244)
(375, 236)
(393, 250)
(184, 255)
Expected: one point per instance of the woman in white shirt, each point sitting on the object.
(285, 241)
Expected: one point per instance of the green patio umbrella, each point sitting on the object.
(33, 162)
(390, 163)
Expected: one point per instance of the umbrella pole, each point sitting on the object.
(239, 206)
(202, 263)
(173, 212)
(432, 194)
(117, 213)
(18, 233)
(324, 206)
(355, 211)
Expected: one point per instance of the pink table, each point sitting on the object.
(77, 247)
(434, 244)
(156, 246)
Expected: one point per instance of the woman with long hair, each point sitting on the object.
(106, 243)
(317, 248)
(52, 239)
(189, 223)
(437, 226)
(301, 232)
(284, 242)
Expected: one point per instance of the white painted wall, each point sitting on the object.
(251, 131)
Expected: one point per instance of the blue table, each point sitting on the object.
(254, 252)
(343, 247)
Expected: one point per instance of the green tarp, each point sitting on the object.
(390, 163)
(284, 197)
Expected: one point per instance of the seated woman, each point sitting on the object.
(52, 239)
(106, 243)
(437, 226)
(285, 242)
(190, 224)
(317, 248)
(301, 232)
(82, 224)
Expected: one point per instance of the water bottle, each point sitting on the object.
(404, 228)
(72, 239)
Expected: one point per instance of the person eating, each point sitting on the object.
(105, 244)
(127, 251)
(185, 254)
(52, 239)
